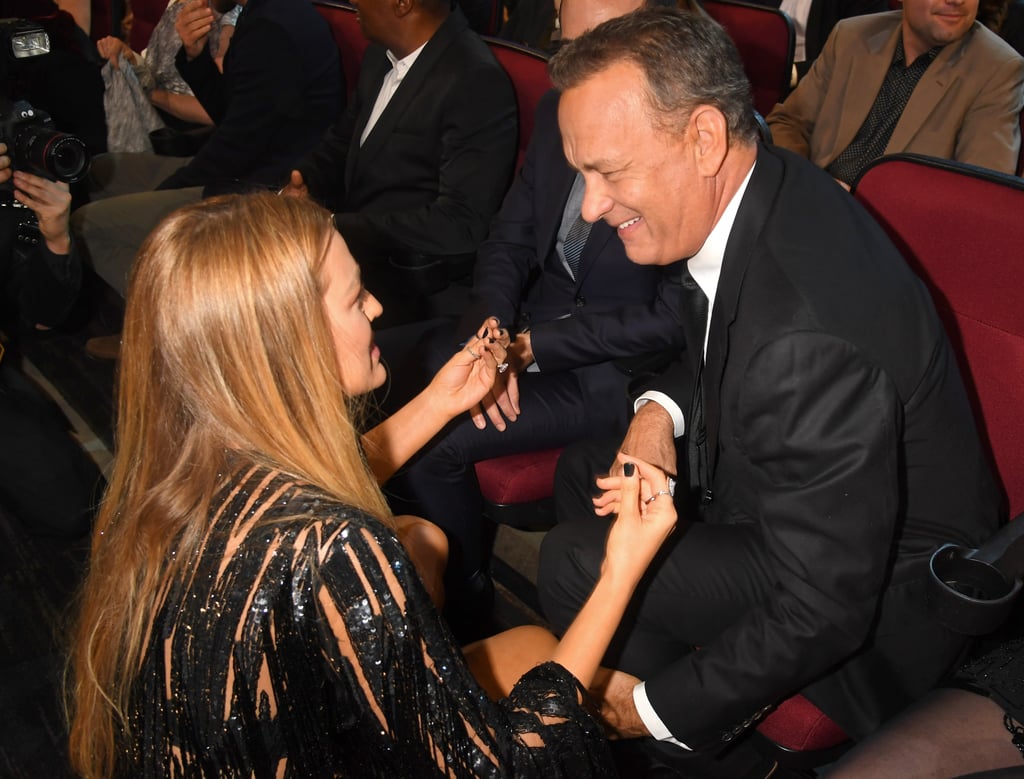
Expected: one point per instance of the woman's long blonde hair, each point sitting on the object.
(227, 356)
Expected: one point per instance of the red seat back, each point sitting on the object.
(348, 35)
(764, 38)
(528, 70)
(960, 228)
(145, 15)
(102, 23)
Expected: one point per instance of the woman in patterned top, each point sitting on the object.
(249, 609)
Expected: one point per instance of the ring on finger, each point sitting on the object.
(502, 367)
(656, 495)
(475, 355)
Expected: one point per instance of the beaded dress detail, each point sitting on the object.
(299, 641)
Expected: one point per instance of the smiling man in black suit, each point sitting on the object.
(828, 446)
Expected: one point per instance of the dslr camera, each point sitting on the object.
(33, 142)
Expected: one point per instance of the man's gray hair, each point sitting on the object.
(687, 59)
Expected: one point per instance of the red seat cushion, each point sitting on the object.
(800, 726)
(518, 478)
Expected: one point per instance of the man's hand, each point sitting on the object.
(295, 187)
(614, 691)
(502, 402)
(193, 26)
(649, 438)
(51, 201)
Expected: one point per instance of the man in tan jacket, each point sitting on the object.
(928, 79)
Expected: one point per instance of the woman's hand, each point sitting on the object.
(646, 517)
(471, 372)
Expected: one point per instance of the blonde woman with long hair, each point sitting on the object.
(249, 608)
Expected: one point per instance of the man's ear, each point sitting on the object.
(403, 7)
(710, 132)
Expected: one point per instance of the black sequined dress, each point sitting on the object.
(299, 641)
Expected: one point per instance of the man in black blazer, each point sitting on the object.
(424, 153)
(579, 334)
(829, 446)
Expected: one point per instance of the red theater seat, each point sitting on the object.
(348, 35)
(764, 38)
(528, 70)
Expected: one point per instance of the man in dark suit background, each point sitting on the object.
(829, 443)
(424, 153)
(577, 307)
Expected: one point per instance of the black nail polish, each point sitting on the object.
(628, 470)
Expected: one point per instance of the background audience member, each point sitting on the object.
(423, 156)
(47, 480)
(245, 567)
(280, 89)
(579, 309)
(1006, 19)
(156, 76)
(828, 449)
(928, 79)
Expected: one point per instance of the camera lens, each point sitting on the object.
(53, 154)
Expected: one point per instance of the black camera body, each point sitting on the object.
(36, 146)
(33, 142)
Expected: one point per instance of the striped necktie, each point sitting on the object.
(575, 240)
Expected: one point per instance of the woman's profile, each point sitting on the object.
(250, 608)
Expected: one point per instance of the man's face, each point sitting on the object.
(375, 18)
(642, 180)
(930, 23)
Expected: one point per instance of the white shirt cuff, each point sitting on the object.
(663, 400)
(651, 719)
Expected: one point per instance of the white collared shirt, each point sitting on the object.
(399, 67)
(706, 268)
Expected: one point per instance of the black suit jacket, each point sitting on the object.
(613, 309)
(435, 166)
(280, 90)
(838, 424)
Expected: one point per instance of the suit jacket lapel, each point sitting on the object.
(935, 82)
(871, 70)
(411, 86)
(741, 248)
(374, 68)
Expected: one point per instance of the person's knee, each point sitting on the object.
(570, 563)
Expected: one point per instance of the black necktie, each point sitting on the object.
(575, 240)
(695, 304)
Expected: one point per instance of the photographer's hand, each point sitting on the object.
(5, 164)
(51, 201)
